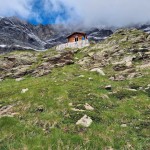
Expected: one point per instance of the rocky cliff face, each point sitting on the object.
(20, 35)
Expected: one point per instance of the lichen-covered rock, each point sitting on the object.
(21, 64)
(85, 121)
(88, 107)
(24, 90)
(98, 70)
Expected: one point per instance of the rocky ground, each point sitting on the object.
(126, 53)
(94, 98)
(18, 65)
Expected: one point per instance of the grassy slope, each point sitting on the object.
(55, 128)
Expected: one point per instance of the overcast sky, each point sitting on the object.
(87, 12)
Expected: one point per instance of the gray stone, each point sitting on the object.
(124, 125)
(98, 70)
(108, 87)
(24, 90)
(19, 79)
(78, 110)
(88, 107)
(112, 78)
(85, 121)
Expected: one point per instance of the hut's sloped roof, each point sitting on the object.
(76, 33)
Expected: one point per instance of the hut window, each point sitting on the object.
(76, 39)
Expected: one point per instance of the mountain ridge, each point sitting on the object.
(18, 34)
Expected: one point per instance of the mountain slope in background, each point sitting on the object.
(18, 34)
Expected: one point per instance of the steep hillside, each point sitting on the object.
(43, 95)
(126, 53)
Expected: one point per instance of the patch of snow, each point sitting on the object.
(147, 29)
(97, 38)
(24, 47)
(30, 48)
(3, 45)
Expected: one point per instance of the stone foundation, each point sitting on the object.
(79, 44)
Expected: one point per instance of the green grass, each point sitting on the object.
(54, 128)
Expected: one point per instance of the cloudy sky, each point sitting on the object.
(85, 12)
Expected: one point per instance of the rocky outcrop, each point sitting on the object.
(125, 52)
(26, 63)
(121, 56)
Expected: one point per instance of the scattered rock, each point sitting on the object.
(74, 109)
(129, 64)
(134, 90)
(70, 104)
(129, 146)
(112, 78)
(84, 61)
(88, 107)
(6, 111)
(109, 148)
(98, 70)
(20, 71)
(40, 109)
(104, 96)
(120, 67)
(133, 75)
(19, 79)
(108, 87)
(81, 76)
(90, 79)
(85, 121)
(124, 125)
(144, 66)
(24, 90)
(76, 58)
(91, 54)
(147, 88)
(141, 88)
(119, 78)
(129, 58)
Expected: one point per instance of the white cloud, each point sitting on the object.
(111, 12)
(20, 8)
(89, 12)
